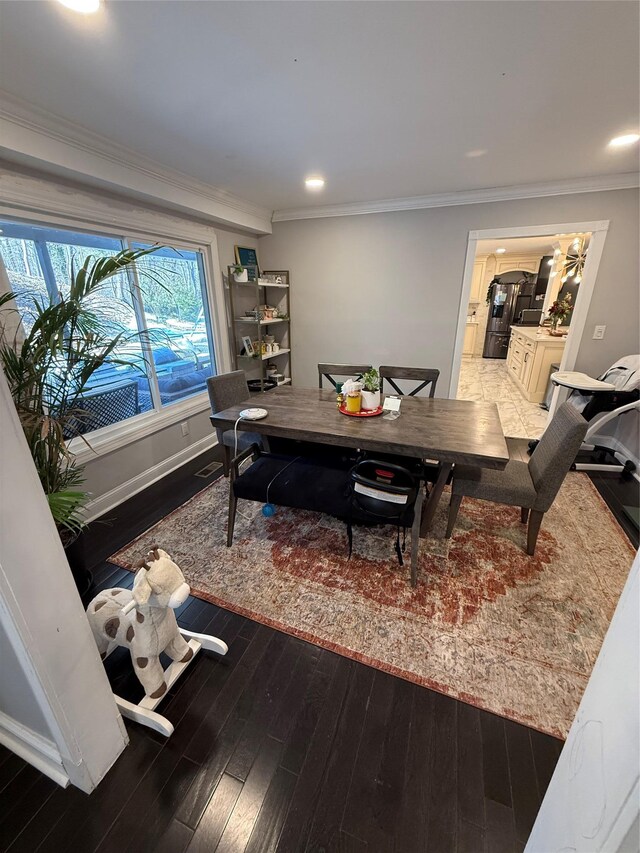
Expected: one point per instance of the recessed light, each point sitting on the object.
(85, 7)
(627, 139)
(476, 152)
(314, 183)
(500, 251)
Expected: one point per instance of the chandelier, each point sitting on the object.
(574, 261)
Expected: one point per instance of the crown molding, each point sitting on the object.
(599, 183)
(36, 136)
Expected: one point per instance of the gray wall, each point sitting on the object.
(386, 287)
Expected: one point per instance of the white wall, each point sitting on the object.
(56, 707)
(386, 287)
(592, 801)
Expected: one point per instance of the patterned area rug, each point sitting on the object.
(487, 624)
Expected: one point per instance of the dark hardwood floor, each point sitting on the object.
(283, 746)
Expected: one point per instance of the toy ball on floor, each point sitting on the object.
(268, 510)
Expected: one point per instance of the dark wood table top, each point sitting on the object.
(451, 431)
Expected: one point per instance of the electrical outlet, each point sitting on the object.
(598, 332)
(184, 426)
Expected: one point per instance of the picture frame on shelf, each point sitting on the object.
(248, 258)
(248, 346)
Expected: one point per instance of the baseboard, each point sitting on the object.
(35, 749)
(105, 503)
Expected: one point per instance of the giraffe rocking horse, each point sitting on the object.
(142, 620)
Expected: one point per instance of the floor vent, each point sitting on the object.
(209, 470)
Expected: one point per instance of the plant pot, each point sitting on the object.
(241, 277)
(75, 553)
(370, 400)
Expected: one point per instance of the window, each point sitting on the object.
(161, 309)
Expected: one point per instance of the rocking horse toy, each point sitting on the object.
(142, 620)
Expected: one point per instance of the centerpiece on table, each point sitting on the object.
(371, 390)
(558, 313)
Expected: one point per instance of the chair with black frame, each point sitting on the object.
(371, 492)
(531, 486)
(426, 376)
(225, 390)
(329, 371)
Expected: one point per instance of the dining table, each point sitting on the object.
(449, 432)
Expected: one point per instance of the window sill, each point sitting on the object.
(108, 439)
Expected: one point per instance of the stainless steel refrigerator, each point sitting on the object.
(506, 299)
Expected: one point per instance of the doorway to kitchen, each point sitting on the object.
(526, 293)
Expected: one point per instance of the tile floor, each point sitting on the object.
(486, 379)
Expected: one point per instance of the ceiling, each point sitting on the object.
(526, 245)
(384, 99)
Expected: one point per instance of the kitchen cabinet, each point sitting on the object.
(529, 358)
(469, 344)
(478, 288)
(528, 263)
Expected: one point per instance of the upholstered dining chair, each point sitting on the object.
(225, 390)
(328, 371)
(532, 486)
(423, 375)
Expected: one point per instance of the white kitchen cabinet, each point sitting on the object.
(529, 263)
(529, 358)
(477, 280)
(469, 344)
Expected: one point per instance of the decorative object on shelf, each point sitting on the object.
(240, 274)
(247, 345)
(51, 368)
(558, 313)
(142, 620)
(269, 312)
(248, 257)
(278, 277)
(574, 261)
(371, 390)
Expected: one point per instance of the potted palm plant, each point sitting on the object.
(49, 368)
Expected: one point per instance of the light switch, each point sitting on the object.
(598, 332)
(185, 427)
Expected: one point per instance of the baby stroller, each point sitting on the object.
(600, 401)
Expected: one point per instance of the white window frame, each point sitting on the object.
(138, 225)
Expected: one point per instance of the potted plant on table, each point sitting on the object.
(371, 390)
(558, 313)
(49, 368)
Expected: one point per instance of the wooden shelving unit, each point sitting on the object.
(247, 296)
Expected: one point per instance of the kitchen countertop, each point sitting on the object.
(538, 333)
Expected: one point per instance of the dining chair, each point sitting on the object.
(424, 375)
(531, 485)
(331, 370)
(226, 390)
